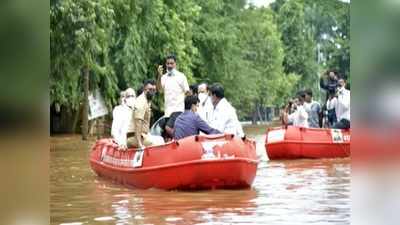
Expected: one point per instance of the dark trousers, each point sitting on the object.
(342, 124)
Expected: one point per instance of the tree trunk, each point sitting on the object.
(85, 111)
(254, 116)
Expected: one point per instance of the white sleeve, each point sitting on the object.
(125, 127)
(114, 125)
(329, 104)
(345, 101)
(230, 126)
(302, 113)
(184, 84)
(117, 128)
(291, 117)
(163, 81)
(239, 129)
(333, 103)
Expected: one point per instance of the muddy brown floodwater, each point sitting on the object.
(284, 192)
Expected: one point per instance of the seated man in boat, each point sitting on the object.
(223, 116)
(313, 108)
(142, 115)
(122, 123)
(189, 122)
(299, 118)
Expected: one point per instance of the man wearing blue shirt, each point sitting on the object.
(189, 122)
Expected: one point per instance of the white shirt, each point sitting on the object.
(175, 86)
(224, 119)
(342, 104)
(122, 123)
(331, 103)
(205, 109)
(299, 118)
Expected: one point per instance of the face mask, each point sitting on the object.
(170, 71)
(150, 95)
(202, 97)
(130, 102)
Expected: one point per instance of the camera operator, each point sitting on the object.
(329, 82)
(299, 117)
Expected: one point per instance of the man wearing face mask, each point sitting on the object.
(205, 105)
(175, 87)
(342, 106)
(142, 116)
(122, 125)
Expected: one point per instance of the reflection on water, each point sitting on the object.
(284, 192)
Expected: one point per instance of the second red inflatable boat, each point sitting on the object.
(297, 142)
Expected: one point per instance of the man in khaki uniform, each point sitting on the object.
(142, 115)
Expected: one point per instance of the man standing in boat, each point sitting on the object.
(174, 85)
(224, 116)
(142, 116)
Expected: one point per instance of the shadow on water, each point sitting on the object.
(284, 192)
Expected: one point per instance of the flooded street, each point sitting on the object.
(284, 192)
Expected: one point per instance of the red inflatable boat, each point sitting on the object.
(196, 162)
(297, 142)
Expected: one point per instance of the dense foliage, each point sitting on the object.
(260, 55)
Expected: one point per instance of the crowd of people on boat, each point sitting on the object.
(303, 111)
(188, 110)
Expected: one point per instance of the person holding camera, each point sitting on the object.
(299, 117)
(329, 82)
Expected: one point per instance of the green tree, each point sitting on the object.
(80, 37)
(300, 52)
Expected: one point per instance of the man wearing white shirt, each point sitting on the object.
(175, 87)
(205, 106)
(298, 118)
(331, 118)
(224, 116)
(122, 118)
(342, 106)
